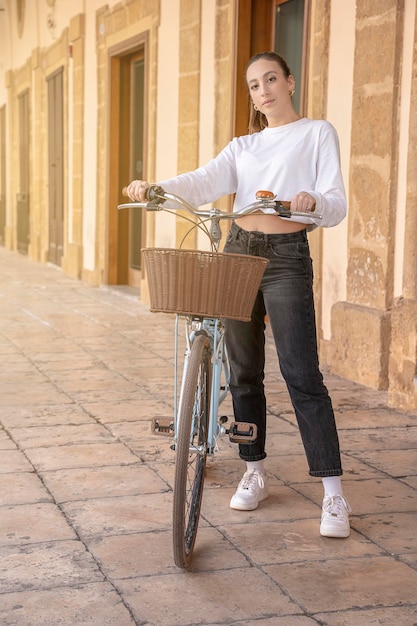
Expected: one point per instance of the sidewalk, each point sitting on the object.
(86, 490)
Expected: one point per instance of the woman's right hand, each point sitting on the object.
(136, 190)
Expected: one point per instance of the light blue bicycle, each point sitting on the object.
(204, 288)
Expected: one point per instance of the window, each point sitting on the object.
(290, 34)
(279, 25)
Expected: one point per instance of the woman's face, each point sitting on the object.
(269, 88)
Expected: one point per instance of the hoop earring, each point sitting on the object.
(291, 93)
(255, 107)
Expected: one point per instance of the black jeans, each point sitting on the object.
(286, 295)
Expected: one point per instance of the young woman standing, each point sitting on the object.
(298, 160)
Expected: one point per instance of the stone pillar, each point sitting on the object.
(72, 262)
(189, 100)
(361, 326)
(403, 355)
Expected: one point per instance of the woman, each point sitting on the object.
(298, 160)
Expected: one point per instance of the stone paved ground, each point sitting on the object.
(86, 490)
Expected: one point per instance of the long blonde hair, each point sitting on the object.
(257, 120)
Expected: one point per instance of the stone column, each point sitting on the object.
(189, 100)
(403, 353)
(72, 262)
(361, 326)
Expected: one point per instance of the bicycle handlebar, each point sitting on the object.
(156, 196)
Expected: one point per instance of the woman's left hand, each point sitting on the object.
(303, 202)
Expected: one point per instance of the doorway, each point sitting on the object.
(127, 130)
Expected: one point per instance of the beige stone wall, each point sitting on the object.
(33, 77)
(361, 326)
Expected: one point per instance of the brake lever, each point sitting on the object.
(281, 210)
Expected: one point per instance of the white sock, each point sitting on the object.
(255, 465)
(332, 486)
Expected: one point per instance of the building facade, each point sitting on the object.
(94, 93)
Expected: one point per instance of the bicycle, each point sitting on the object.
(191, 284)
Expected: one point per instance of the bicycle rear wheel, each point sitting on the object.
(191, 450)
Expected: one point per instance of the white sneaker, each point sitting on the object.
(251, 490)
(335, 517)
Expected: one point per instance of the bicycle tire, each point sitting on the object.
(191, 451)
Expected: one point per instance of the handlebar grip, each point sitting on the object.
(152, 192)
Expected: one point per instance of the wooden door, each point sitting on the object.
(22, 200)
(126, 159)
(55, 167)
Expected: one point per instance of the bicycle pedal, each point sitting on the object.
(243, 432)
(163, 426)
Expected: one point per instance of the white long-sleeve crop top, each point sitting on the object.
(300, 156)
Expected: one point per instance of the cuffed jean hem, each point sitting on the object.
(255, 457)
(326, 473)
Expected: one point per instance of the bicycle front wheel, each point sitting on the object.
(191, 450)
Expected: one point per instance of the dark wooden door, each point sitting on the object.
(55, 167)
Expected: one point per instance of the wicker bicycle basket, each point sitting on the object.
(207, 284)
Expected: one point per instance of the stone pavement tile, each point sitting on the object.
(339, 585)
(59, 435)
(294, 541)
(394, 532)
(150, 554)
(93, 604)
(374, 439)
(33, 523)
(279, 424)
(5, 442)
(382, 495)
(22, 488)
(284, 443)
(120, 392)
(80, 455)
(148, 447)
(140, 407)
(288, 620)
(77, 385)
(125, 514)
(46, 565)
(385, 616)
(220, 597)
(279, 405)
(47, 415)
(103, 482)
(34, 394)
(13, 461)
(283, 504)
(396, 463)
(410, 480)
(380, 417)
(13, 376)
(293, 469)
(82, 362)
